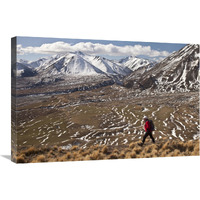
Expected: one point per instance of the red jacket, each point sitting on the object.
(147, 126)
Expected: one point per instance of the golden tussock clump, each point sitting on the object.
(55, 148)
(113, 156)
(164, 153)
(97, 152)
(87, 157)
(105, 150)
(61, 150)
(133, 154)
(127, 150)
(165, 146)
(96, 147)
(176, 152)
(62, 158)
(116, 151)
(128, 155)
(190, 146)
(147, 149)
(29, 151)
(94, 155)
(74, 148)
(122, 154)
(20, 159)
(196, 150)
(154, 153)
(40, 158)
(85, 153)
(132, 145)
(68, 155)
(138, 149)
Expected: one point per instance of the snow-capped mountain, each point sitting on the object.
(177, 72)
(48, 61)
(37, 63)
(27, 68)
(33, 64)
(69, 64)
(24, 62)
(108, 66)
(135, 63)
(78, 63)
(24, 70)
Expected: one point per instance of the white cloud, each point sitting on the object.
(92, 48)
(19, 50)
(158, 59)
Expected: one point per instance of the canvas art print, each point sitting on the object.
(78, 99)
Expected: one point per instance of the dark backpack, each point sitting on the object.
(152, 125)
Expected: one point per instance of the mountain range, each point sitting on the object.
(78, 63)
(177, 72)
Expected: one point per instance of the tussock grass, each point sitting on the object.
(94, 155)
(113, 156)
(30, 151)
(133, 154)
(138, 149)
(40, 158)
(122, 155)
(74, 148)
(163, 148)
(105, 150)
(20, 159)
(132, 145)
(196, 150)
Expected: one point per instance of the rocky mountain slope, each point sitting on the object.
(177, 72)
(24, 70)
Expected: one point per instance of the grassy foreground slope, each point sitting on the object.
(163, 148)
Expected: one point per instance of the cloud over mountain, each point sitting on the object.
(92, 48)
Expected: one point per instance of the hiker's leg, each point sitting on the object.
(151, 136)
(144, 138)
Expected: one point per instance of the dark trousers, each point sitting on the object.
(148, 133)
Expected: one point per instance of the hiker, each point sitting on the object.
(149, 128)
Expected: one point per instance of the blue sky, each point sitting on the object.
(33, 48)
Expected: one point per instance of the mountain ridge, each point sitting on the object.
(177, 72)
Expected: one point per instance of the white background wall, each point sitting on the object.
(141, 20)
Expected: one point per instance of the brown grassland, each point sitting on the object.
(104, 123)
(163, 148)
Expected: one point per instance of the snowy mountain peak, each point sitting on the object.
(70, 64)
(135, 63)
(79, 53)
